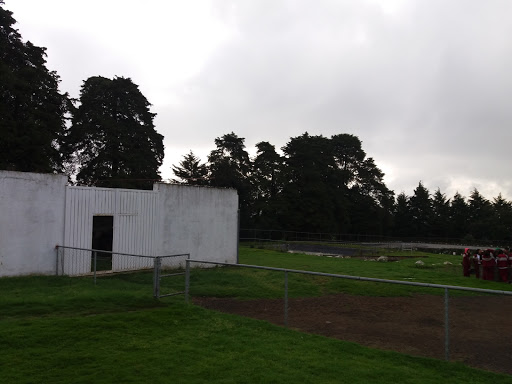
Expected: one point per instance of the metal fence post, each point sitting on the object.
(156, 277)
(237, 235)
(286, 298)
(95, 257)
(446, 325)
(187, 279)
(56, 260)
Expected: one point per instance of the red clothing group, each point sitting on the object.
(491, 261)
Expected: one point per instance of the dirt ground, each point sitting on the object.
(480, 332)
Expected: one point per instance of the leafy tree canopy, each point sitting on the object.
(32, 110)
(230, 166)
(113, 137)
(267, 167)
(440, 214)
(420, 206)
(267, 179)
(329, 185)
(229, 163)
(191, 171)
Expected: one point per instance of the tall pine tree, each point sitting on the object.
(230, 166)
(402, 217)
(459, 217)
(32, 110)
(191, 171)
(481, 219)
(503, 219)
(113, 137)
(420, 207)
(440, 221)
(267, 187)
(309, 189)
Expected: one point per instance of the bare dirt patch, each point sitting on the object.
(480, 327)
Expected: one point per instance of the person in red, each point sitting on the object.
(502, 262)
(510, 265)
(466, 262)
(488, 264)
(476, 262)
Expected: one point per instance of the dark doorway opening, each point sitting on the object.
(102, 239)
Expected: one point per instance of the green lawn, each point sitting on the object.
(66, 330)
(250, 283)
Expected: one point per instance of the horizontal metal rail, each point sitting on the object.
(173, 274)
(441, 286)
(172, 294)
(118, 253)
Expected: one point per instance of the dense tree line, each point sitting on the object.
(329, 185)
(318, 184)
(427, 215)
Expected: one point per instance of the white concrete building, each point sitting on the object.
(39, 211)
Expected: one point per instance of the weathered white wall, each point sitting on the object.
(199, 220)
(136, 219)
(38, 211)
(31, 222)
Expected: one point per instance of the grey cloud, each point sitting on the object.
(427, 89)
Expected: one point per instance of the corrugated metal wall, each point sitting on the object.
(136, 224)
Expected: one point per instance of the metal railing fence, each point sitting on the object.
(74, 261)
(281, 235)
(286, 272)
(326, 247)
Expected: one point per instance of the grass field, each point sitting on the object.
(244, 283)
(66, 330)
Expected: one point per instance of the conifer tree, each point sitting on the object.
(32, 110)
(113, 137)
(191, 171)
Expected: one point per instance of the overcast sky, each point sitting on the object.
(426, 85)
